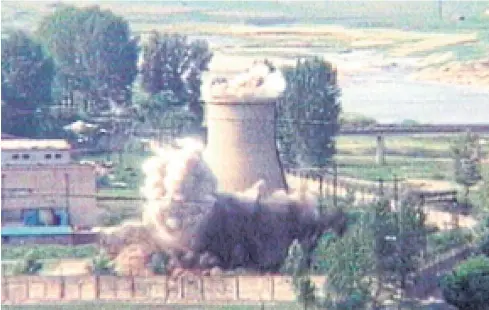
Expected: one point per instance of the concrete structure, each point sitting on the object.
(32, 152)
(380, 151)
(42, 187)
(241, 145)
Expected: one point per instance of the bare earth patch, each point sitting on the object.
(433, 42)
(467, 73)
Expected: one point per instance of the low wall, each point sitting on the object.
(159, 289)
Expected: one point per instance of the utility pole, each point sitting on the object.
(3, 188)
(67, 196)
(401, 253)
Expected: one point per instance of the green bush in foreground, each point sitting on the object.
(102, 265)
(445, 240)
(467, 287)
(30, 264)
(48, 251)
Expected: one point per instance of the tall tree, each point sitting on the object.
(27, 74)
(308, 113)
(466, 161)
(349, 264)
(94, 53)
(296, 265)
(173, 64)
(381, 247)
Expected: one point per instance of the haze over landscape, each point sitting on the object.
(388, 53)
(245, 154)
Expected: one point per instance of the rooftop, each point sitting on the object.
(31, 144)
(36, 230)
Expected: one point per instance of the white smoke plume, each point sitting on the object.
(261, 82)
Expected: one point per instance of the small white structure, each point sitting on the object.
(42, 186)
(35, 152)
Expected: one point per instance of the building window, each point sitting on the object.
(45, 217)
(30, 217)
(25, 156)
(57, 156)
(15, 156)
(11, 216)
(48, 156)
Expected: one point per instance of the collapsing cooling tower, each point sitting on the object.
(240, 114)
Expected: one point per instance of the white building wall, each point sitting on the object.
(35, 157)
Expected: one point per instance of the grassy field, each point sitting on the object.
(415, 157)
(250, 18)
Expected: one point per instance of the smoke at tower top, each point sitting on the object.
(261, 82)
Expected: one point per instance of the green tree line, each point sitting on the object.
(88, 60)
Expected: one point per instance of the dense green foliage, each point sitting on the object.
(467, 287)
(480, 197)
(442, 241)
(48, 251)
(30, 264)
(466, 161)
(174, 66)
(307, 115)
(354, 119)
(165, 112)
(27, 74)
(94, 54)
(484, 246)
(381, 247)
(296, 265)
(102, 265)
(350, 266)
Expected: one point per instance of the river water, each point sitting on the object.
(392, 97)
(374, 88)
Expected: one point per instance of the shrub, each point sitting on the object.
(158, 263)
(467, 287)
(484, 246)
(445, 240)
(102, 265)
(30, 264)
(48, 251)
(353, 119)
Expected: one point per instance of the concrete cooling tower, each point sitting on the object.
(240, 115)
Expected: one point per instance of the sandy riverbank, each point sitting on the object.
(474, 73)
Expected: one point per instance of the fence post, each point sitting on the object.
(455, 213)
(396, 192)
(381, 188)
(62, 287)
(133, 285)
(425, 235)
(335, 185)
(182, 288)
(321, 186)
(272, 288)
(5, 287)
(97, 287)
(236, 288)
(27, 289)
